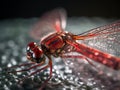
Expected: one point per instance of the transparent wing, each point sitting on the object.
(52, 21)
(105, 38)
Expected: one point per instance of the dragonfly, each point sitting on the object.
(100, 44)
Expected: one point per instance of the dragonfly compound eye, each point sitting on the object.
(34, 53)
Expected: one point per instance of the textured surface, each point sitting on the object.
(78, 75)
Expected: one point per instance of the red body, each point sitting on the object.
(98, 56)
(52, 44)
(100, 44)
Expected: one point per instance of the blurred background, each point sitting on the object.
(34, 8)
(16, 20)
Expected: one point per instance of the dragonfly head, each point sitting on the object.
(35, 53)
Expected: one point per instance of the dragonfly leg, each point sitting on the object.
(31, 73)
(50, 74)
(30, 67)
(15, 66)
(25, 65)
(39, 70)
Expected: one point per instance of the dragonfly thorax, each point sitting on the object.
(55, 44)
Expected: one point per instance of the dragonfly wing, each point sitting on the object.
(105, 38)
(53, 21)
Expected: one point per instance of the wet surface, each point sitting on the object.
(77, 75)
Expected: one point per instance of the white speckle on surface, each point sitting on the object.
(13, 61)
(11, 43)
(4, 59)
(9, 65)
(24, 58)
(15, 53)
(6, 87)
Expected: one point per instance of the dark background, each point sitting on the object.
(34, 8)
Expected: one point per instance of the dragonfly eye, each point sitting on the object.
(34, 53)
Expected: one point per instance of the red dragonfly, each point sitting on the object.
(100, 44)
